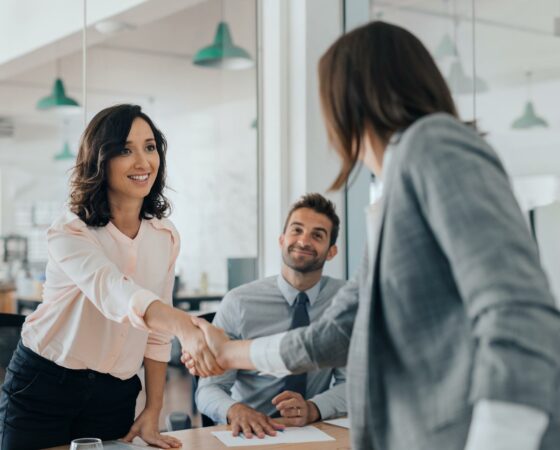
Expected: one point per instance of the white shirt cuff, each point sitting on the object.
(265, 355)
(499, 425)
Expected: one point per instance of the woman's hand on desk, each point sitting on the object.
(146, 427)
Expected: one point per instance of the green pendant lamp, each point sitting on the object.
(446, 48)
(461, 83)
(223, 53)
(529, 118)
(58, 99)
(65, 153)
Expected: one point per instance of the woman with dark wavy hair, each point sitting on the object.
(107, 300)
(449, 330)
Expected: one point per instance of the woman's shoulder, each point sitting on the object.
(68, 221)
(440, 125)
(439, 134)
(164, 225)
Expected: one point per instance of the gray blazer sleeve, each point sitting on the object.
(213, 394)
(325, 343)
(464, 195)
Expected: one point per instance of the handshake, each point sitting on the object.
(206, 349)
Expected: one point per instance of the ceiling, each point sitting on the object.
(511, 37)
(150, 60)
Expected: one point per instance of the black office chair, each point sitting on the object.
(10, 331)
(178, 420)
(208, 317)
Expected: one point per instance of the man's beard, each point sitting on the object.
(307, 266)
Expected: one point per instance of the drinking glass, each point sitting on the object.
(86, 444)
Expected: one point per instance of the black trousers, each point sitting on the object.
(45, 405)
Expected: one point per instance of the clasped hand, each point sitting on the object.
(293, 408)
(201, 343)
(205, 357)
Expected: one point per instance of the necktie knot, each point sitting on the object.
(300, 316)
(302, 299)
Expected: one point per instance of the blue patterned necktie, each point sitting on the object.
(300, 318)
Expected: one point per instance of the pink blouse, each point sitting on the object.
(99, 285)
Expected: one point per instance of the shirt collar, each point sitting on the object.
(290, 293)
(377, 192)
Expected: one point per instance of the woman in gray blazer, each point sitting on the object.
(449, 329)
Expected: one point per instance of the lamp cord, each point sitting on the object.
(474, 57)
(84, 63)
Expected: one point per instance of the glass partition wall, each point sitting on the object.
(161, 56)
(501, 63)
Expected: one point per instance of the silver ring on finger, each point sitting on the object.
(298, 411)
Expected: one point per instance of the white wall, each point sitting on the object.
(296, 157)
(205, 114)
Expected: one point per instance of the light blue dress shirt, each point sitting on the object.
(258, 309)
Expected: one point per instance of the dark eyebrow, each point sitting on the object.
(314, 229)
(147, 140)
(320, 229)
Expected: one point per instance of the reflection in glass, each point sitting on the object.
(138, 54)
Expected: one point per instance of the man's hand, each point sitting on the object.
(215, 339)
(296, 411)
(146, 427)
(248, 421)
(193, 342)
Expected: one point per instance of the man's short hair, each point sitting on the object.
(320, 205)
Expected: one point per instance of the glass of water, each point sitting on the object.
(86, 444)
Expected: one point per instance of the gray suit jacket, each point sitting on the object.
(452, 305)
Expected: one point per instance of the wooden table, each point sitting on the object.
(7, 297)
(202, 439)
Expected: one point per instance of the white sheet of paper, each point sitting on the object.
(290, 435)
(344, 422)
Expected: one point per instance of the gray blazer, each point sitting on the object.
(451, 306)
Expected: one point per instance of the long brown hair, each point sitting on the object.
(103, 139)
(379, 78)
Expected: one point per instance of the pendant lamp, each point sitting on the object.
(65, 153)
(223, 53)
(461, 83)
(446, 48)
(58, 98)
(529, 118)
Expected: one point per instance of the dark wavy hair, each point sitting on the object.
(378, 77)
(320, 205)
(102, 140)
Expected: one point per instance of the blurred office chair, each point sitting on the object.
(10, 331)
(206, 421)
(181, 421)
(176, 421)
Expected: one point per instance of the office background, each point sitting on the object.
(244, 144)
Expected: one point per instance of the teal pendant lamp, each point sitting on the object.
(529, 118)
(446, 48)
(65, 153)
(461, 83)
(58, 99)
(223, 53)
